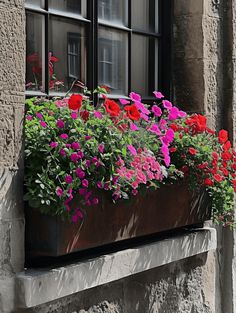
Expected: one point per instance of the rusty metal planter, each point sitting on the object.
(165, 209)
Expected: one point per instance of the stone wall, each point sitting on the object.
(12, 68)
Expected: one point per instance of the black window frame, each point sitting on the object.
(164, 36)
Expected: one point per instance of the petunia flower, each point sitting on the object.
(133, 127)
(156, 110)
(98, 114)
(155, 129)
(132, 149)
(167, 104)
(158, 94)
(135, 96)
(124, 101)
(43, 124)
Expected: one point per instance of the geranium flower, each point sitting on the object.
(132, 112)
(80, 173)
(74, 115)
(112, 107)
(75, 145)
(84, 115)
(192, 151)
(85, 183)
(29, 118)
(75, 102)
(223, 136)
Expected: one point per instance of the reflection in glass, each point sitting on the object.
(112, 60)
(69, 6)
(34, 52)
(35, 3)
(114, 11)
(145, 15)
(144, 63)
(67, 54)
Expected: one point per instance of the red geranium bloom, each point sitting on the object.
(226, 156)
(132, 112)
(223, 136)
(224, 171)
(84, 115)
(173, 149)
(175, 127)
(75, 102)
(112, 107)
(234, 183)
(208, 182)
(215, 155)
(218, 178)
(197, 122)
(192, 151)
(210, 131)
(227, 145)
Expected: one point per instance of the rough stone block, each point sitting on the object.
(188, 7)
(213, 38)
(6, 136)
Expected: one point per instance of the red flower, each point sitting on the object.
(227, 145)
(173, 149)
(208, 182)
(226, 156)
(202, 166)
(174, 127)
(185, 170)
(192, 151)
(33, 58)
(75, 102)
(215, 155)
(223, 136)
(132, 112)
(218, 178)
(197, 122)
(224, 171)
(84, 115)
(234, 166)
(234, 184)
(210, 131)
(112, 107)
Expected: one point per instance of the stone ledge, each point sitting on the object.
(35, 287)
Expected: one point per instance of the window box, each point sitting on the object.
(168, 208)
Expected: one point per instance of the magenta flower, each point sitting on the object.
(101, 148)
(169, 136)
(82, 191)
(43, 124)
(60, 124)
(155, 129)
(88, 137)
(80, 173)
(132, 149)
(80, 154)
(134, 192)
(53, 144)
(123, 101)
(75, 145)
(68, 145)
(135, 96)
(68, 179)
(74, 157)
(133, 127)
(182, 114)
(85, 183)
(29, 118)
(80, 214)
(95, 201)
(99, 185)
(142, 108)
(144, 117)
(39, 115)
(64, 136)
(98, 114)
(62, 152)
(74, 115)
(162, 124)
(167, 104)
(87, 163)
(75, 218)
(59, 192)
(158, 94)
(156, 110)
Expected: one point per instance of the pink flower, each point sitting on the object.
(101, 148)
(61, 103)
(82, 191)
(123, 101)
(142, 108)
(53, 144)
(87, 163)
(62, 152)
(80, 154)
(88, 137)
(68, 179)
(80, 173)
(134, 192)
(59, 192)
(60, 124)
(174, 114)
(162, 124)
(132, 150)
(95, 201)
(29, 118)
(156, 110)
(43, 124)
(39, 115)
(133, 127)
(75, 145)
(182, 114)
(75, 218)
(85, 183)
(64, 136)
(135, 96)
(144, 117)
(169, 136)
(167, 104)
(99, 185)
(74, 157)
(134, 185)
(74, 115)
(68, 145)
(98, 114)
(155, 129)
(158, 94)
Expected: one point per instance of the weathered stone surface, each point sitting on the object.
(188, 7)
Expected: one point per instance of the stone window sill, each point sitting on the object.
(35, 287)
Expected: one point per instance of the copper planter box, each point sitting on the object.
(157, 211)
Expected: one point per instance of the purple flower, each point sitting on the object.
(75, 145)
(53, 144)
(85, 183)
(62, 152)
(43, 124)
(59, 192)
(158, 94)
(182, 114)
(74, 115)
(80, 173)
(94, 160)
(64, 136)
(132, 149)
(29, 118)
(156, 110)
(98, 114)
(68, 179)
(74, 157)
(80, 154)
(101, 148)
(135, 96)
(167, 104)
(60, 124)
(39, 115)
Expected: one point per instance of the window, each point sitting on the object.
(123, 44)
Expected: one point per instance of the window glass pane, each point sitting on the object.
(35, 3)
(144, 62)
(113, 11)
(112, 60)
(145, 15)
(69, 6)
(67, 54)
(34, 52)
